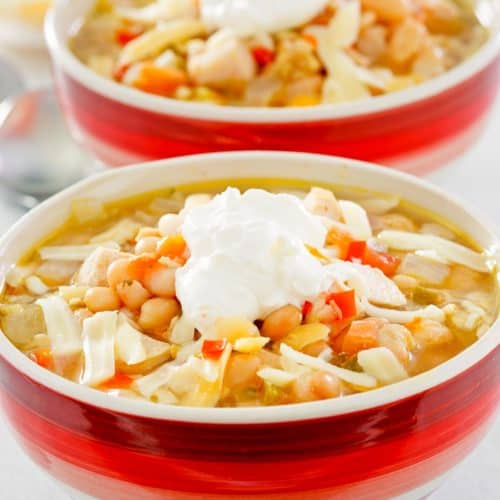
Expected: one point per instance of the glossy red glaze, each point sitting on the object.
(416, 136)
(377, 453)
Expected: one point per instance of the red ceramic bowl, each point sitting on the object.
(416, 129)
(400, 440)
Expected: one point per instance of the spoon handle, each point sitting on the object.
(11, 83)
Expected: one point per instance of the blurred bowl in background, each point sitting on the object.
(21, 22)
(415, 129)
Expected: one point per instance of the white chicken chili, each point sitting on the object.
(276, 53)
(247, 297)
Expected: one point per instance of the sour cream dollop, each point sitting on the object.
(253, 16)
(248, 257)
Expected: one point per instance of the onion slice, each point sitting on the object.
(99, 347)
(150, 383)
(133, 347)
(74, 252)
(449, 250)
(123, 231)
(159, 38)
(280, 378)
(355, 378)
(62, 326)
(382, 364)
(356, 220)
(207, 393)
(403, 317)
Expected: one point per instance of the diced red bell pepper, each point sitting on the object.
(118, 381)
(306, 308)
(345, 301)
(360, 250)
(323, 17)
(340, 239)
(126, 35)
(213, 349)
(42, 357)
(356, 250)
(337, 339)
(337, 328)
(310, 39)
(262, 55)
(119, 72)
(387, 263)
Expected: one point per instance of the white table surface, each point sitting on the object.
(475, 177)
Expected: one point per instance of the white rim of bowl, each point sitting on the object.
(130, 97)
(253, 415)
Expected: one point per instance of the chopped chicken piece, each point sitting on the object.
(398, 339)
(224, 58)
(95, 266)
(430, 333)
(378, 288)
(321, 201)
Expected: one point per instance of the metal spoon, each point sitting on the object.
(38, 157)
(11, 82)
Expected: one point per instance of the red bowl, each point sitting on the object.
(400, 440)
(415, 130)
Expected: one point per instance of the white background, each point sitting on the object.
(475, 177)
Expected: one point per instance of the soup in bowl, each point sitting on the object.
(246, 307)
(388, 82)
(260, 54)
